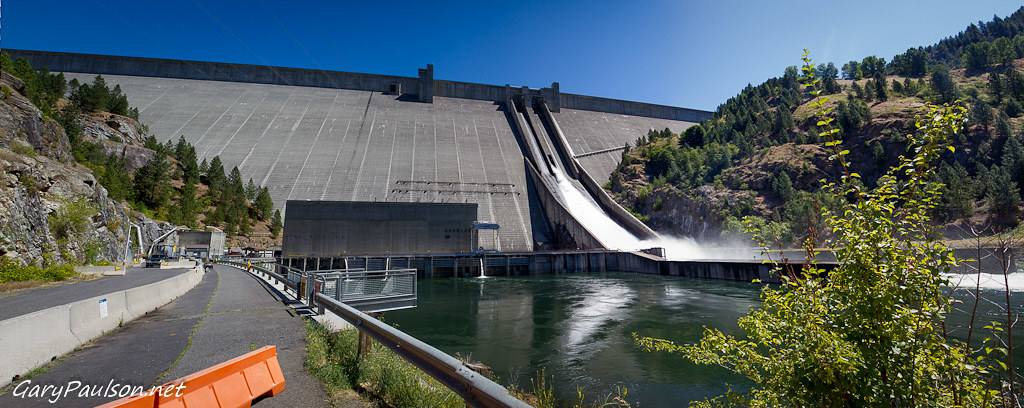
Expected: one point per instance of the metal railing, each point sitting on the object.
(369, 291)
(476, 389)
(473, 387)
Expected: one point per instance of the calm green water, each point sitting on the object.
(578, 327)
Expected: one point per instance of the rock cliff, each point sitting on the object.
(51, 209)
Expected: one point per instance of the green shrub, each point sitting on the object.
(331, 357)
(21, 148)
(72, 219)
(13, 271)
(29, 182)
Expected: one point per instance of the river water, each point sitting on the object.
(578, 327)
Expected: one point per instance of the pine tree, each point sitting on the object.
(215, 177)
(782, 186)
(977, 56)
(263, 203)
(872, 66)
(188, 205)
(1002, 51)
(981, 114)
(1003, 195)
(897, 87)
(783, 120)
(1013, 108)
(185, 154)
(250, 190)
(116, 178)
(957, 193)
(118, 102)
(880, 88)
(852, 70)
(995, 86)
(275, 224)
(943, 84)
(1013, 157)
(1003, 125)
(693, 137)
(235, 182)
(152, 183)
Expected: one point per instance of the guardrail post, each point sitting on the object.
(364, 340)
(309, 289)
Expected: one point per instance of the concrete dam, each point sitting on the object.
(337, 136)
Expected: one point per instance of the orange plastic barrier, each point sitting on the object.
(231, 384)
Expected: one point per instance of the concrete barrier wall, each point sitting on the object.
(108, 270)
(213, 71)
(31, 340)
(467, 90)
(721, 270)
(593, 103)
(218, 71)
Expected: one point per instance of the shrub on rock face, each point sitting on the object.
(12, 271)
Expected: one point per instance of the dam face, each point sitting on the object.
(326, 143)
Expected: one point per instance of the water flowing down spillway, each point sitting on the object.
(615, 236)
(609, 232)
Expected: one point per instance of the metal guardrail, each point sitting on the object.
(473, 387)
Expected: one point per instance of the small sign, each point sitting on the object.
(103, 308)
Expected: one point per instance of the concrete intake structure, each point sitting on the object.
(336, 136)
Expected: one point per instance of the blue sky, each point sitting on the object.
(682, 53)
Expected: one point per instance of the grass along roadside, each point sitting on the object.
(386, 378)
(13, 288)
(381, 374)
(12, 271)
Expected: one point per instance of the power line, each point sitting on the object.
(294, 40)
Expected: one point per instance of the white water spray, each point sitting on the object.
(1013, 281)
(613, 235)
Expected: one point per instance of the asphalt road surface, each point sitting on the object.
(229, 313)
(32, 300)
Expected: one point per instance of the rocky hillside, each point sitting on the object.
(51, 209)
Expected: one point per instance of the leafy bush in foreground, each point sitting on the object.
(868, 333)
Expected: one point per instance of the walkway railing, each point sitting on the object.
(369, 291)
(473, 387)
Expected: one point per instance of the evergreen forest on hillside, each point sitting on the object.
(760, 156)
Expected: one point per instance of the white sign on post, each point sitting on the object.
(103, 308)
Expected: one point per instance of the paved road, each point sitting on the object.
(243, 313)
(36, 299)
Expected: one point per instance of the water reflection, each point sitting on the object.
(578, 328)
(596, 306)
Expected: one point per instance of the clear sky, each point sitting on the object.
(694, 54)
